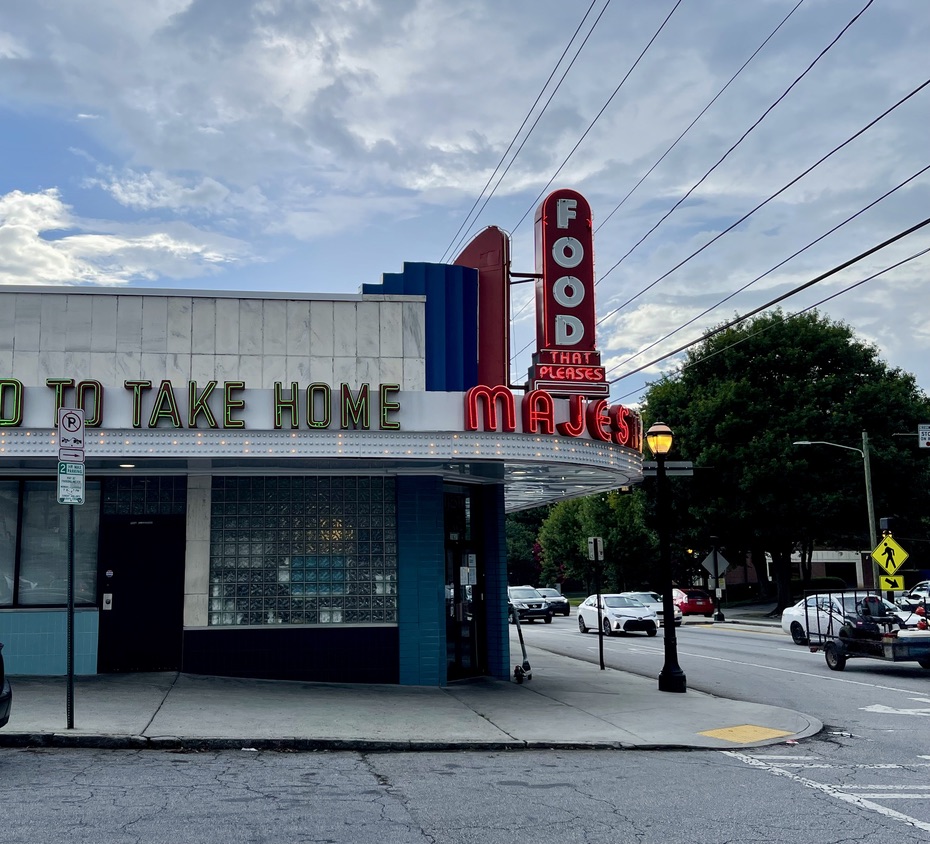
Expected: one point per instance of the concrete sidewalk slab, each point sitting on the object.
(568, 704)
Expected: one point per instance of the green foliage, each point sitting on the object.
(524, 562)
(742, 399)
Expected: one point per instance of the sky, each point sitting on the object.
(311, 146)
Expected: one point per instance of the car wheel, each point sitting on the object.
(652, 631)
(678, 623)
(582, 627)
(549, 618)
(797, 634)
(607, 629)
(835, 660)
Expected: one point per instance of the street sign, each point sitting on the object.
(70, 455)
(722, 564)
(673, 468)
(70, 483)
(595, 548)
(891, 584)
(889, 555)
(70, 428)
(923, 436)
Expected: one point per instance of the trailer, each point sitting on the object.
(858, 623)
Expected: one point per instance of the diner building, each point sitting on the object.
(288, 486)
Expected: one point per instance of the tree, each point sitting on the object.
(564, 544)
(745, 395)
(524, 563)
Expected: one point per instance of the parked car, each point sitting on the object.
(693, 602)
(919, 594)
(653, 600)
(819, 617)
(525, 603)
(6, 693)
(556, 600)
(619, 614)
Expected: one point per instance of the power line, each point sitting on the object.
(764, 328)
(765, 202)
(772, 269)
(741, 138)
(598, 115)
(699, 116)
(853, 286)
(793, 292)
(525, 119)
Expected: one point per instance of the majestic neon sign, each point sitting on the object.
(566, 361)
(497, 407)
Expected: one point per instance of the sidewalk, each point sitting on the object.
(568, 704)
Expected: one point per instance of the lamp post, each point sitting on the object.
(864, 452)
(671, 679)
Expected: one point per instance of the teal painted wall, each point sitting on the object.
(420, 581)
(35, 641)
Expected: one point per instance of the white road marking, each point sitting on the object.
(888, 766)
(890, 710)
(779, 756)
(881, 796)
(887, 787)
(855, 799)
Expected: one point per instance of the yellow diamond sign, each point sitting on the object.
(889, 555)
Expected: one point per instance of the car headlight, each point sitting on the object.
(520, 606)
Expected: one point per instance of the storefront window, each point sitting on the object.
(43, 573)
(303, 550)
(9, 504)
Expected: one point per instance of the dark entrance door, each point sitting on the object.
(141, 600)
(466, 647)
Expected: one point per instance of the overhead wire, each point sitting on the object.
(457, 242)
(766, 201)
(793, 292)
(598, 115)
(761, 329)
(772, 269)
(700, 114)
(742, 137)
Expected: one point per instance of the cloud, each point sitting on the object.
(106, 257)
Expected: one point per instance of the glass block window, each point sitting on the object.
(303, 550)
(145, 496)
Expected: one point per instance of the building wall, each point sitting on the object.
(112, 337)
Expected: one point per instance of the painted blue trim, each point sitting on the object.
(421, 582)
(35, 641)
(451, 319)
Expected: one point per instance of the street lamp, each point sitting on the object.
(671, 679)
(864, 451)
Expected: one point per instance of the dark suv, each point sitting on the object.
(556, 600)
(525, 603)
(6, 694)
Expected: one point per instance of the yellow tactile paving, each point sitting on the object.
(744, 733)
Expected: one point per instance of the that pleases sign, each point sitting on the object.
(566, 361)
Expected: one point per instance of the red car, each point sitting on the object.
(693, 602)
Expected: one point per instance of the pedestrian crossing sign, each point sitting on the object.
(889, 555)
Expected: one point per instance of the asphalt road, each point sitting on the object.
(865, 778)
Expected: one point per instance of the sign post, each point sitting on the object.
(716, 565)
(596, 554)
(890, 556)
(70, 492)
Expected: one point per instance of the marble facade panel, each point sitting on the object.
(368, 329)
(250, 327)
(321, 329)
(103, 324)
(298, 329)
(392, 329)
(227, 326)
(203, 326)
(344, 329)
(274, 327)
(128, 323)
(414, 334)
(28, 307)
(154, 324)
(52, 323)
(179, 324)
(79, 323)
